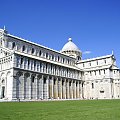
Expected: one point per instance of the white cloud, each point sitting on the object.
(87, 52)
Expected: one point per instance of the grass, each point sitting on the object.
(61, 110)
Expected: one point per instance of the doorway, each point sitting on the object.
(3, 92)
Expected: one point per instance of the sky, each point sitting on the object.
(94, 25)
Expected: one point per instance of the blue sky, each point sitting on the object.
(94, 25)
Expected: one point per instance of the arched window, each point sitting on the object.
(23, 48)
(90, 73)
(95, 72)
(34, 63)
(68, 61)
(28, 62)
(78, 57)
(13, 45)
(32, 50)
(3, 81)
(40, 53)
(46, 55)
(54, 81)
(63, 60)
(33, 79)
(58, 58)
(105, 61)
(83, 65)
(99, 72)
(90, 64)
(82, 84)
(104, 71)
(21, 62)
(3, 92)
(52, 57)
(44, 80)
(62, 82)
(6, 53)
(92, 85)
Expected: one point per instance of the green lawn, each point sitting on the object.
(61, 110)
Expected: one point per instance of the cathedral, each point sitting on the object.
(32, 72)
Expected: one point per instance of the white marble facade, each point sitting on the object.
(29, 71)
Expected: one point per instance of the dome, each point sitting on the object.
(70, 46)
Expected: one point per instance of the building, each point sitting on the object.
(29, 71)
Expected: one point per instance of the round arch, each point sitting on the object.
(2, 86)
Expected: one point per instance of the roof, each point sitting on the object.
(97, 58)
(97, 68)
(15, 37)
(113, 67)
(70, 46)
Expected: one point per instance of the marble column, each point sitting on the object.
(112, 89)
(56, 88)
(45, 88)
(81, 90)
(60, 88)
(26, 85)
(36, 87)
(14, 96)
(71, 89)
(64, 89)
(67, 89)
(77, 90)
(32, 86)
(29, 88)
(74, 89)
(51, 88)
(25, 89)
(20, 85)
(49, 80)
(41, 87)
